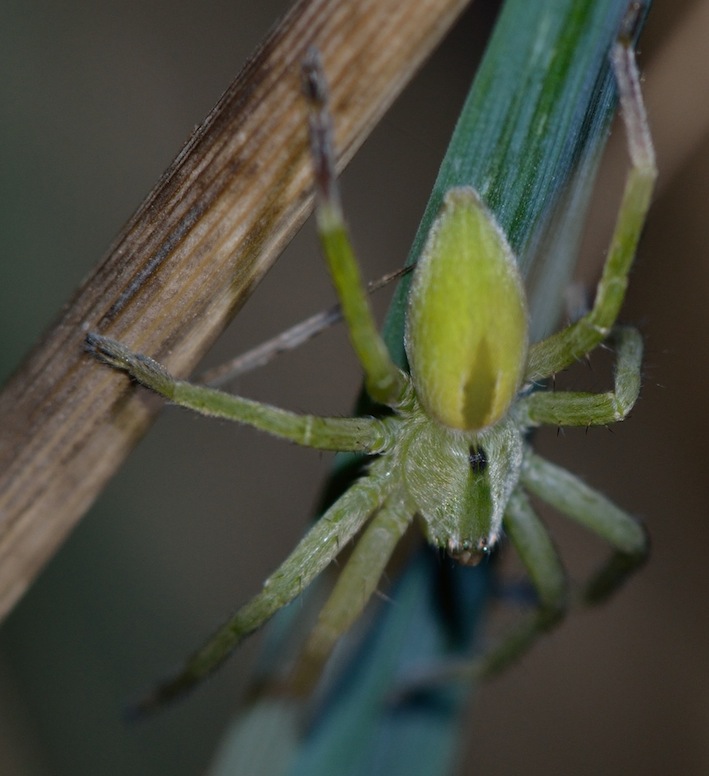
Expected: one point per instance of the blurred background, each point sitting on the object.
(96, 99)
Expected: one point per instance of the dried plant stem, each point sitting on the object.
(186, 261)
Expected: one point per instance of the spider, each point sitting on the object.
(452, 449)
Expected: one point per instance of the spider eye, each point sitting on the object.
(469, 554)
(478, 460)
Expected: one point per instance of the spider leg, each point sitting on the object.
(588, 507)
(541, 561)
(530, 538)
(535, 548)
(564, 348)
(354, 587)
(313, 553)
(367, 435)
(385, 382)
(534, 545)
(567, 408)
(289, 339)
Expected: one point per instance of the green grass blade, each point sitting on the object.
(529, 138)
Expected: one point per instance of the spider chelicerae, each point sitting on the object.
(452, 450)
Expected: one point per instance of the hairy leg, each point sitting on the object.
(566, 408)
(315, 551)
(539, 556)
(367, 435)
(588, 507)
(354, 587)
(384, 381)
(562, 349)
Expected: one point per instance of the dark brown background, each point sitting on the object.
(97, 98)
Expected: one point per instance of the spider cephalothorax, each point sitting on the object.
(460, 500)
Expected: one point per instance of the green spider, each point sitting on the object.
(452, 451)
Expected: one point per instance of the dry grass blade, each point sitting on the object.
(185, 262)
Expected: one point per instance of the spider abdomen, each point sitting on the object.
(466, 335)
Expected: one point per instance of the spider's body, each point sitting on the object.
(453, 449)
(466, 342)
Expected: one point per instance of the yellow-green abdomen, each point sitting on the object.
(466, 336)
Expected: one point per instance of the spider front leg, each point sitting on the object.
(541, 561)
(530, 538)
(567, 346)
(355, 586)
(321, 545)
(586, 506)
